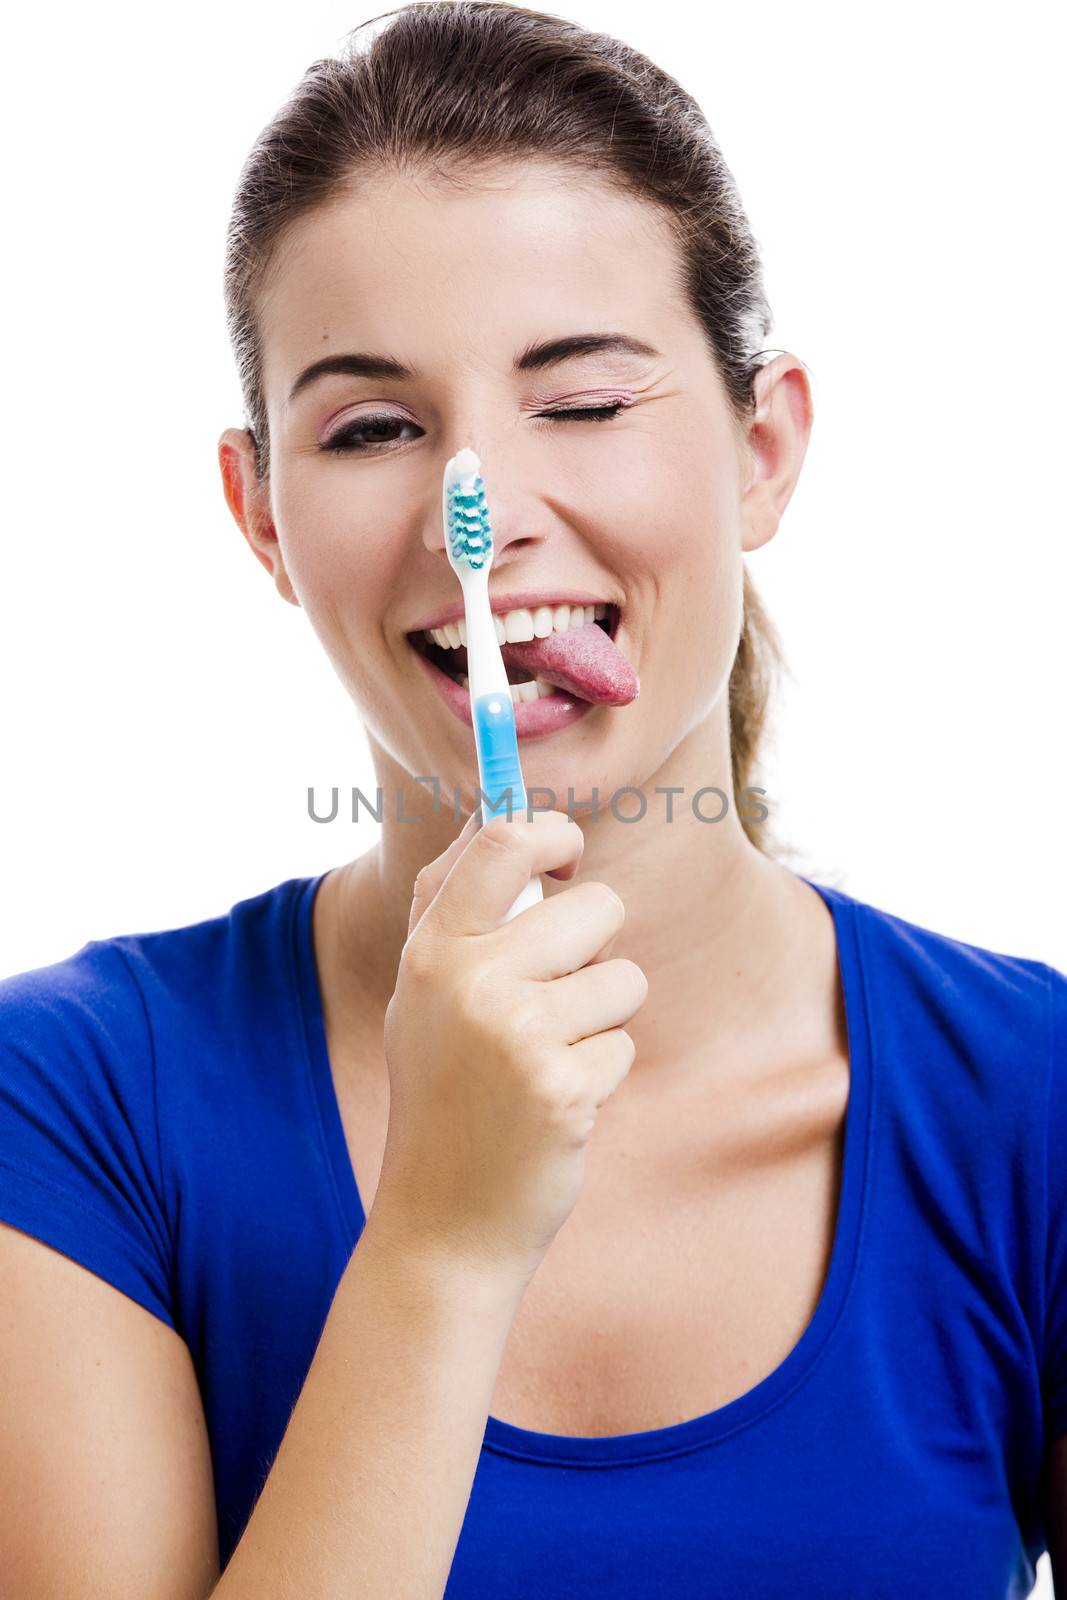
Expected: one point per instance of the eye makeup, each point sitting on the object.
(345, 439)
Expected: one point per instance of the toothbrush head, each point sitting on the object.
(470, 539)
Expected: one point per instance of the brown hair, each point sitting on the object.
(459, 85)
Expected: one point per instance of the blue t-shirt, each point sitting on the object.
(168, 1119)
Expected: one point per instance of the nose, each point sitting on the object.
(513, 512)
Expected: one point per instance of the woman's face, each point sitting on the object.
(645, 510)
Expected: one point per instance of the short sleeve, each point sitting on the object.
(79, 1141)
(1054, 1369)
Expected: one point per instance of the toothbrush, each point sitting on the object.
(469, 547)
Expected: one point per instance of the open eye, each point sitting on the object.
(346, 441)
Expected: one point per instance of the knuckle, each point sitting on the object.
(417, 959)
(555, 1092)
(426, 883)
(501, 835)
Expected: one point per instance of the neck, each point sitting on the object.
(729, 940)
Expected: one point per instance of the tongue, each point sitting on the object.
(583, 661)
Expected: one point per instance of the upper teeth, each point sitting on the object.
(514, 627)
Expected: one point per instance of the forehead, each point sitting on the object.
(437, 274)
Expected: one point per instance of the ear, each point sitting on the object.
(776, 439)
(249, 500)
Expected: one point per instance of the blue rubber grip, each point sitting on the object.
(498, 755)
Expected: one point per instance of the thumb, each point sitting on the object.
(434, 873)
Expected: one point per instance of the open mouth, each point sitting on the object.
(453, 660)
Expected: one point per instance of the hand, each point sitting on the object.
(502, 1041)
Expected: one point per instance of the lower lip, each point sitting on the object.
(548, 714)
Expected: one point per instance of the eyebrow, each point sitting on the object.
(535, 357)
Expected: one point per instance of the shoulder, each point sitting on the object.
(935, 962)
(961, 1043)
(108, 996)
(79, 1140)
(969, 1046)
(71, 1022)
(134, 973)
(1056, 1120)
(128, 1041)
(101, 1055)
(966, 999)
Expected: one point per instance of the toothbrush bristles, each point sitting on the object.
(468, 524)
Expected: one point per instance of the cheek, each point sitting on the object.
(681, 556)
(675, 490)
(677, 534)
(337, 553)
(710, 586)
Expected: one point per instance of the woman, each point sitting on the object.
(700, 1231)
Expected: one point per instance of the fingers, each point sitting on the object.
(434, 873)
(603, 996)
(502, 857)
(567, 931)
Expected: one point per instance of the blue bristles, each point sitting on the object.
(468, 525)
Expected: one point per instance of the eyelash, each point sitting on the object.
(335, 447)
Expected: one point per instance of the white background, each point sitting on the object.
(165, 711)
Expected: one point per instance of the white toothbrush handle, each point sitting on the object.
(531, 895)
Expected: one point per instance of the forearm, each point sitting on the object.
(371, 1482)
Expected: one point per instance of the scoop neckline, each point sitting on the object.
(724, 1421)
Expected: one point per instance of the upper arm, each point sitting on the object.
(106, 1483)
